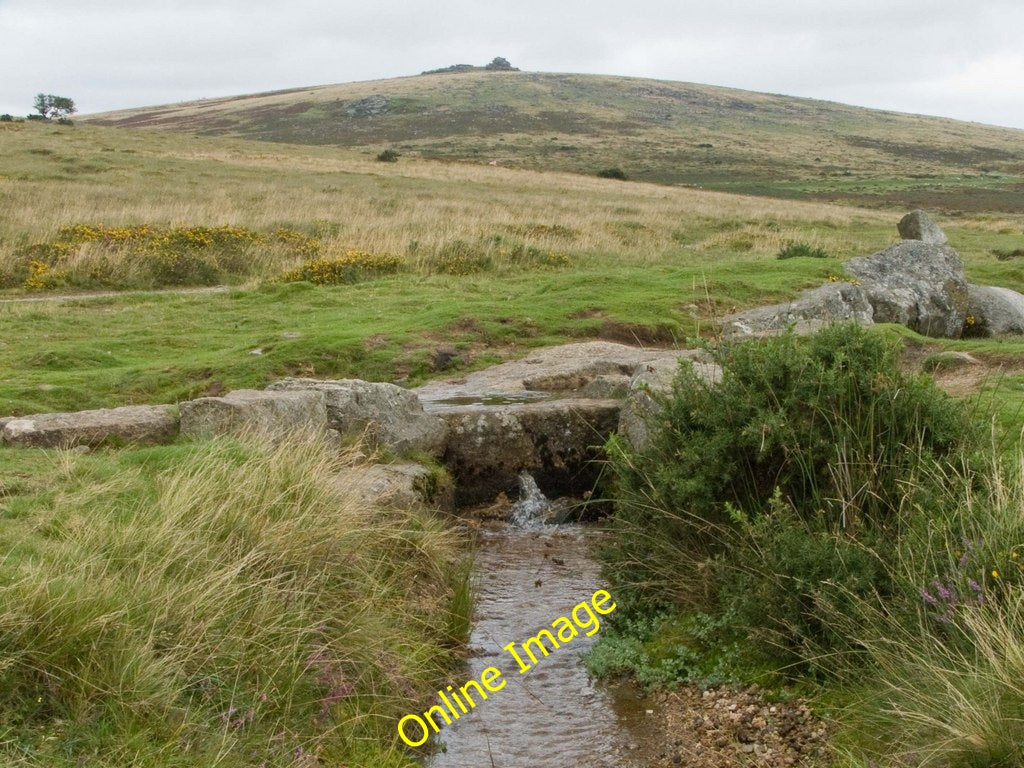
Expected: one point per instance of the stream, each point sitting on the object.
(527, 574)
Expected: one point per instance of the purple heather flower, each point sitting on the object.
(943, 591)
(928, 598)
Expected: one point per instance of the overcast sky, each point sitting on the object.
(956, 58)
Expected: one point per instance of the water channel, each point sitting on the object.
(526, 576)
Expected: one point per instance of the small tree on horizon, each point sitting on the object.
(50, 106)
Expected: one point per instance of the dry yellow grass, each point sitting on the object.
(57, 178)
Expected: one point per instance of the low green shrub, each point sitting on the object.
(1006, 255)
(612, 173)
(801, 250)
(791, 473)
(388, 156)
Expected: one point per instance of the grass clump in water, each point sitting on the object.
(222, 604)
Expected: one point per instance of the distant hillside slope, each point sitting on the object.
(666, 132)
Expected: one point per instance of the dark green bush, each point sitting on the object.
(784, 578)
(801, 250)
(5, 118)
(388, 156)
(757, 489)
(612, 173)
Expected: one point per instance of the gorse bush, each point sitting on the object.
(145, 256)
(350, 267)
(237, 608)
(459, 257)
(758, 490)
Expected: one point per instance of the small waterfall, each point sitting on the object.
(533, 506)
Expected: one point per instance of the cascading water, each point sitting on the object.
(533, 506)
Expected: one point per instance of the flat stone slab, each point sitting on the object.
(244, 410)
(557, 442)
(136, 424)
(565, 370)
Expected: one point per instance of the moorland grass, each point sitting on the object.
(938, 679)
(548, 257)
(224, 603)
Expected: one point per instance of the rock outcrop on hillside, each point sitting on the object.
(916, 284)
(918, 225)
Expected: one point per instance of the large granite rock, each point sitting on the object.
(916, 284)
(386, 414)
(918, 225)
(652, 382)
(557, 441)
(248, 410)
(136, 424)
(811, 311)
(992, 311)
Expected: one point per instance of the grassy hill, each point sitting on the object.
(659, 131)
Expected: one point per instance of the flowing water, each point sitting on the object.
(551, 715)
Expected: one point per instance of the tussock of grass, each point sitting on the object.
(237, 608)
(946, 673)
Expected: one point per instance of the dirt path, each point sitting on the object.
(108, 294)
